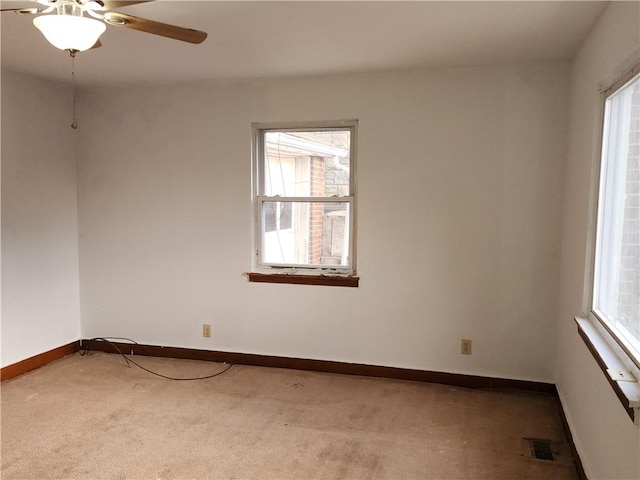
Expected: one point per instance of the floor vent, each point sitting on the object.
(541, 449)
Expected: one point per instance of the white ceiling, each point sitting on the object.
(249, 39)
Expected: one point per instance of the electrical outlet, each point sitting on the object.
(206, 330)
(465, 346)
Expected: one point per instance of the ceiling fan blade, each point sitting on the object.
(98, 44)
(111, 4)
(21, 11)
(164, 30)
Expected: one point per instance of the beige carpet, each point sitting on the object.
(94, 417)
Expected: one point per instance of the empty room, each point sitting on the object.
(320, 239)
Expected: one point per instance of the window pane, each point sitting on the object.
(617, 274)
(307, 233)
(277, 216)
(307, 163)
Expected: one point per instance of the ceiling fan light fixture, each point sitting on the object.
(70, 32)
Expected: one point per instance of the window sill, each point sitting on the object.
(331, 281)
(627, 392)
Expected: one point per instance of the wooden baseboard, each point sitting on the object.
(455, 379)
(37, 361)
(574, 451)
(460, 380)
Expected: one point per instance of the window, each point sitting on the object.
(304, 198)
(616, 286)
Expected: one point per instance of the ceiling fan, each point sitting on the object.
(65, 26)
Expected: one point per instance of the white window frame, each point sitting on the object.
(613, 331)
(618, 364)
(259, 197)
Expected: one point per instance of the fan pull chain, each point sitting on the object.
(74, 123)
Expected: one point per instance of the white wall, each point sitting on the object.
(460, 176)
(607, 440)
(40, 294)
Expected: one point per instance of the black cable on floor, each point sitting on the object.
(85, 351)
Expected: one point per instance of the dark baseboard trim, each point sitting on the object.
(455, 379)
(37, 361)
(567, 431)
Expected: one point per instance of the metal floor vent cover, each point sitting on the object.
(541, 449)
